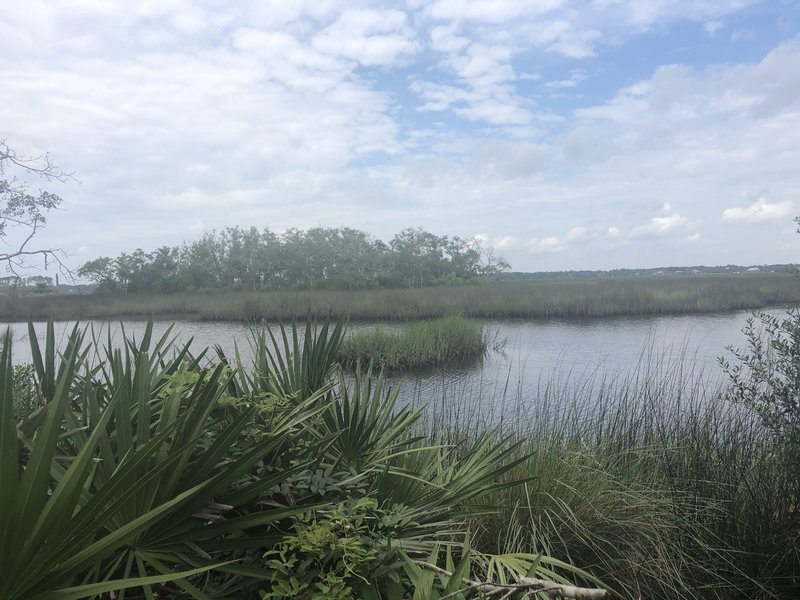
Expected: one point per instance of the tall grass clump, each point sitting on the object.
(657, 484)
(442, 341)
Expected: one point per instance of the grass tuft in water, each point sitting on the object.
(425, 344)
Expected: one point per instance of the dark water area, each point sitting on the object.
(528, 362)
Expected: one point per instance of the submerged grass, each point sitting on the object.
(425, 344)
(585, 298)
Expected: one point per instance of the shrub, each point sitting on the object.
(766, 378)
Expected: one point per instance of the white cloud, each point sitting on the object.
(286, 114)
(711, 27)
(695, 237)
(784, 24)
(575, 77)
(507, 242)
(645, 13)
(445, 39)
(483, 89)
(758, 212)
(496, 112)
(659, 226)
(490, 11)
(579, 234)
(545, 245)
(677, 94)
(576, 44)
(372, 37)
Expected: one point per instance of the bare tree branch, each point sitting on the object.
(22, 210)
(41, 165)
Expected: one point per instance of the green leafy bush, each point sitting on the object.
(766, 378)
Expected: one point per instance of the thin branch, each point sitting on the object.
(529, 585)
(48, 169)
(23, 210)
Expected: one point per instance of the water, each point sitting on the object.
(570, 355)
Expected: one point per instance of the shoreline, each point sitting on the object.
(532, 300)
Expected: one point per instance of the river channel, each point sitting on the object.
(528, 363)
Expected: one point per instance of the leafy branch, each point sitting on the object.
(20, 208)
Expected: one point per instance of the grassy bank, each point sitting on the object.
(447, 340)
(526, 299)
(655, 483)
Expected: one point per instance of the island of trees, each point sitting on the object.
(321, 257)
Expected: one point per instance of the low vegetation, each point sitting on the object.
(662, 488)
(156, 473)
(448, 340)
(590, 298)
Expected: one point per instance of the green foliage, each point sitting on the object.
(155, 483)
(466, 572)
(334, 553)
(172, 475)
(26, 398)
(51, 538)
(292, 364)
(655, 484)
(766, 377)
(366, 427)
(154, 471)
(424, 344)
(321, 257)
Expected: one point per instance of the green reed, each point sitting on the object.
(651, 482)
(447, 340)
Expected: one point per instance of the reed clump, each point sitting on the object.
(448, 340)
(655, 481)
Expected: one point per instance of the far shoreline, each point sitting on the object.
(580, 299)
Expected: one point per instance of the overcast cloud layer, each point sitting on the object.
(568, 134)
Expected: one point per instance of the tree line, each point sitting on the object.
(321, 257)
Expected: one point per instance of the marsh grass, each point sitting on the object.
(448, 340)
(586, 298)
(652, 482)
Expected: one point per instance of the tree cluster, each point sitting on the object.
(321, 257)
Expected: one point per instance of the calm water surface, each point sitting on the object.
(529, 356)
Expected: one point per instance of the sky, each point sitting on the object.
(565, 134)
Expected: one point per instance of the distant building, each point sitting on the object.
(753, 270)
(11, 281)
